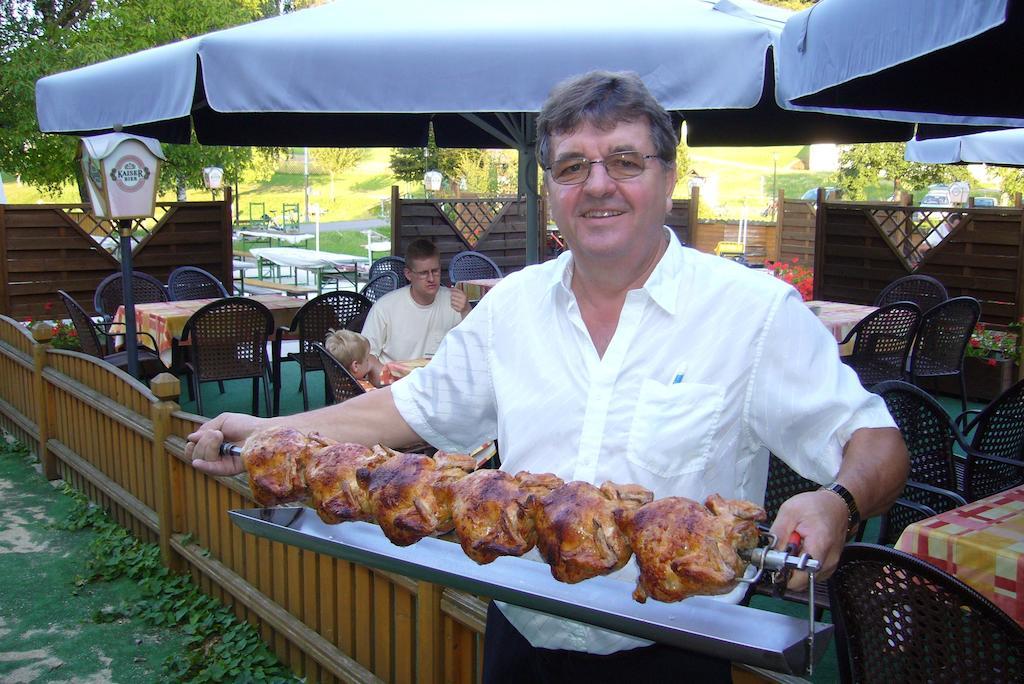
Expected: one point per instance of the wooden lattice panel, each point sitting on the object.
(913, 234)
(105, 231)
(472, 219)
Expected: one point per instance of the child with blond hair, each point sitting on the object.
(352, 350)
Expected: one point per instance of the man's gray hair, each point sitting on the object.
(604, 99)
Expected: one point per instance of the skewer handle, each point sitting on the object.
(230, 449)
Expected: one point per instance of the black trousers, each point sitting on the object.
(510, 659)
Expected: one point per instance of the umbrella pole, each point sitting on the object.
(528, 184)
(131, 343)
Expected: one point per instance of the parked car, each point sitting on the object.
(831, 193)
(984, 201)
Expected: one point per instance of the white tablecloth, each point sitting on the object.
(291, 238)
(307, 258)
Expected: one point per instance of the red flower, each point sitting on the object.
(48, 306)
(990, 362)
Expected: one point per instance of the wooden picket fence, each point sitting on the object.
(122, 443)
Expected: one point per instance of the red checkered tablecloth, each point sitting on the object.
(839, 317)
(165, 320)
(981, 543)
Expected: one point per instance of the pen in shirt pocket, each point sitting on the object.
(679, 375)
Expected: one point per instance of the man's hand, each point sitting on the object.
(459, 301)
(204, 444)
(819, 517)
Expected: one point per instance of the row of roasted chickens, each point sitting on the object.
(682, 548)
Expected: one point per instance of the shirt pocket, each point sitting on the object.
(673, 427)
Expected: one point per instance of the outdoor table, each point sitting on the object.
(475, 289)
(839, 317)
(269, 237)
(981, 543)
(314, 261)
(165, 320)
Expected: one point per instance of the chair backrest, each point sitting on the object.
(380, 285)
(192, 282)
(923, 290)
(110, 292)
(341, 383)
(389, 264)
(783, 483)
(917, 502)
(229, 338)
(927, 430)
(84, 326)
(883, 340)
(999, 431)
(900, 619)
(338, 309)
(942, 337)
(470, 265)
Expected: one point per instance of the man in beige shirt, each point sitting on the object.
(410, 322)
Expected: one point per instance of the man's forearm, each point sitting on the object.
(371, 418)
(874, 469)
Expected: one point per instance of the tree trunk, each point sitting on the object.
(182, 191)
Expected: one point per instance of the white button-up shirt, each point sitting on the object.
(711, 366)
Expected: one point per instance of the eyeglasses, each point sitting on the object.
(423, 275)
(619, 166)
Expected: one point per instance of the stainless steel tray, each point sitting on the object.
(741, 634)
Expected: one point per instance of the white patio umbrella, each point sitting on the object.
(1000, 148)
(929, 61)
(357, 73)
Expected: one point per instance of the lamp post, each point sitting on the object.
(121, 173)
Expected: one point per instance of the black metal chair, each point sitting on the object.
(338, 382)
(942, 339)
(110, 293)
(380, 284)
(389, 264)
(89, 333)
(882, 341)
(311, 323)
(923, 290)
(470, 265)
(192, 282)
(931, 437)
(228, 340)
(997, 429)
(918, 501)
(900, 619)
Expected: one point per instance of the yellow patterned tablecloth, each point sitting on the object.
(981, 543)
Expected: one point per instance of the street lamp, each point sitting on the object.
(432, 182)
(121, 173)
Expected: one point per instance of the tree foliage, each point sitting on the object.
(337, 160)
(861, 166)
(39, 38)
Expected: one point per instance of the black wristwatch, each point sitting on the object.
(853, 521)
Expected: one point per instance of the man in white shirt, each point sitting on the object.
(633, 359)
(410, 322)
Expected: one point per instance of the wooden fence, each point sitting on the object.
(46, 247)
(860, 248)
(122, 444)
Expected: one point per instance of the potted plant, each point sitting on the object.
(992, 359)
(800, 277)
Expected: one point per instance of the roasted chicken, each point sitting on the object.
(576, 530)
(409, 494)
(275, 460)
(335, 492)
(492, 512)
(683, 548)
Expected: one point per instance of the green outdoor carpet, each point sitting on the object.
(48, 634)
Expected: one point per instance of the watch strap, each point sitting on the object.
(853, 520)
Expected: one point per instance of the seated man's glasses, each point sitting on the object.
(619, 166)
(426, 273)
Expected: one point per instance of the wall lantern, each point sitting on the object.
(121, 173)
(213, 177)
